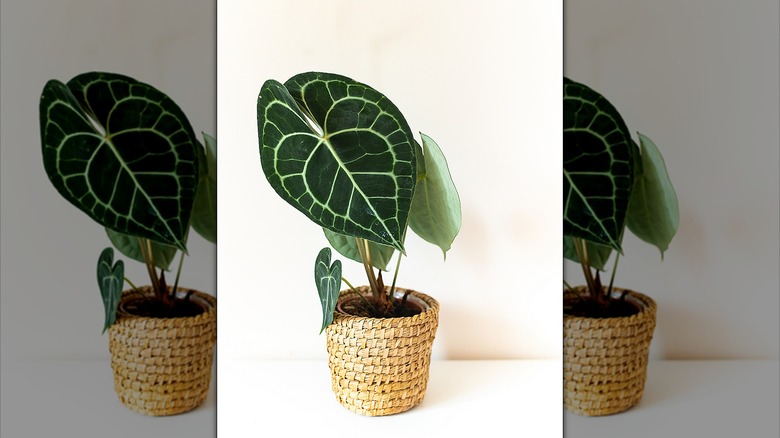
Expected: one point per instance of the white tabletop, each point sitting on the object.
(731, 398)
(76, 398)
(464, 399)
(512, 398)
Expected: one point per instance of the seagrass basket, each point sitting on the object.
(380, 366)
(605, 359)
(162, 366)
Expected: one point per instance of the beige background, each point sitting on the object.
(480, 77)
(701, 79)
(51, 306)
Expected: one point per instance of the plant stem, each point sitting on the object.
(178, 274)
(568, 286)
(146, 252)
(132, 285)
(612, 277)
(365, 301)
(582, 254)
(361, 245)
(395, 275)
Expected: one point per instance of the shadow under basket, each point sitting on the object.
(380, 366)
(162, 366)
(605, 359)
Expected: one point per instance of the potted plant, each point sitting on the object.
(610, 183)
(342, 153)
(125, 154)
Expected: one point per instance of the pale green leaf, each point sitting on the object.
(436, 213)
(204, 211)
(653, 213)
(347, 246)
(598, 255)
(128, 245)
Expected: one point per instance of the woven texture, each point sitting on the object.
(379, 366)
(162, 366)
(605, 359)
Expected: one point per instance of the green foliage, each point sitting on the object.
(597, 167)
(328, 280)
(610, 183)
(110, 277)
(122, 152)
(436, 213)
(125, 154)
(339, 152)
(204, 211)
(347, 246)
(342, 154)
(129, 246)
(653, 213)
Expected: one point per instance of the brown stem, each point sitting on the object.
(364, 256)
(582, 254)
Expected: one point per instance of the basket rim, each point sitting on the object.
(421, 298)
(209, 302)
(647, 305)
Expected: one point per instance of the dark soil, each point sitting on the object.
(155, 308)
(592, 308)
(401, 308)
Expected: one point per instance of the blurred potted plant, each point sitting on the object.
(342, 154)
(609, 184)
(125, 154)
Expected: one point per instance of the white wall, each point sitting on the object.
(701, 79)
(480, 77)
(51, 306)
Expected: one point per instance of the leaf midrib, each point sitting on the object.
(123, 164)
(325, 139)
(575, 189)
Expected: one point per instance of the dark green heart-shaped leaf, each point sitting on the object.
(597, 167)
(129, 246)
(598, 255)
(340, 152)
(347, 246)
(204, 211)
(328, 279)
(653, 213)
(110, 278)
(122, 152)
(435, 215)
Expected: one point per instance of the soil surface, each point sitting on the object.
(154, 308)
(591, 308)
(401, 308)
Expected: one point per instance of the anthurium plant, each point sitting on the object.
(610, 183)
(125, 154)
(342, 154)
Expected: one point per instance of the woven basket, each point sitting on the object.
(605, 359)
(162, 366)
(379, 366)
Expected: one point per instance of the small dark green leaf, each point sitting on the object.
(653, 213)
(129, 246)
(435, 215)
(340, 152)
(328, 279)
(110, 278)
(598, 255)
(597, 167)
(347, 246)
(122, 152)
(204, 211)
